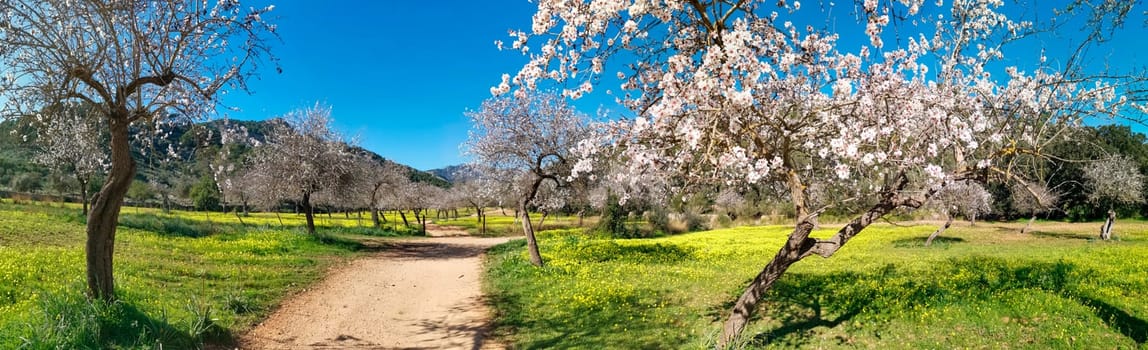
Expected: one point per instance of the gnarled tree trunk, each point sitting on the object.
(527, 227)
(105, 213)
(531, 241)
(800, 245)
(940, 230)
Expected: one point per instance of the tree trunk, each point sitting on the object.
(1028, 225)
(83, 195)
(279, 217)
(745, 305)
(531, 241)
(483, 215)
(527, 229)
(308, 212)
(581, 215)
(404, 216)
(105, 212)
(237, 216)
(375, 219)
(383, 215)
(800, 245)
(542, 220)
(973, 219)
(480, 223)
(940, 230)
(1106, 230)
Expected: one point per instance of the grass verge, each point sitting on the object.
(983, 286)
(183, 280)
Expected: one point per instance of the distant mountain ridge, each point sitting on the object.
(193, 145)
(455, 173)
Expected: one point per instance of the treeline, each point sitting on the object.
(174, 166)
(1064, 174)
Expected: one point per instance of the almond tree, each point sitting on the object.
(734, 91)
(480, 192)
(530, 134)
(1113, 180)
(70, 142)
(230, 170)
(383, 179)
(303, 156)
(966, 198)
(1032, 198)
(132, 61)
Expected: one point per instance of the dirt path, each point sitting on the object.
(414, 294)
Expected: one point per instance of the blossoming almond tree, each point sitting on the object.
(531, 134)
(735, 92)
(1116, 179)
(70, 142)
(303, 155)
(132, 61)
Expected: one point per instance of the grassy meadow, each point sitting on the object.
(502, 222)
(986, 286)
(183, 278)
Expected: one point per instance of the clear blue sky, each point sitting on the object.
(397, 74)
(400, 74)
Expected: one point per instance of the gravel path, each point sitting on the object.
(414, 294)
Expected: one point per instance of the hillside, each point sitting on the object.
(454, 173)
(173, 161)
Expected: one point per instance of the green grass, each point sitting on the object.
(977, 287)
(182, 279)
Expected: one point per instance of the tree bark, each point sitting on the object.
(542, 220)
(308, 212)
(1106, 230)
(481, 220)
(83, 195)
(237, 216)
(527, 228)
(404, 216)
(375, 218)
(531, 241)
(940, 230)
(800, 245)
(1028, 225)
(105, 212)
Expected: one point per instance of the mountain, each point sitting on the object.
(455, 173)
(193, 146)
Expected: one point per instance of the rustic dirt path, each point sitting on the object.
(414, 294)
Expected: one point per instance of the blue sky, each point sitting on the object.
(397, 74)
(400, 74)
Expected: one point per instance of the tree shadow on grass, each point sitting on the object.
(801, 302)
(1066, 235)
(919, 242)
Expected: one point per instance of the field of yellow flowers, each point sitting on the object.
(986, 286)
(182, 278)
